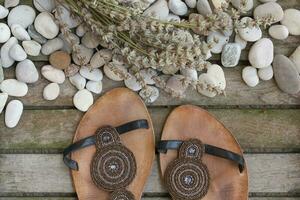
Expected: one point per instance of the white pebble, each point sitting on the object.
(295, 58)
(269, 9)
(279, 32)
(250, 34)
(217, 72)
(291, 21)
(3, 12)
(23, 15)
(147, 75)
(178, 7)
(81, 30)
(94, 86)
(3, 100)
(238, 4)
(159, 10)
(52, 45)
(17, 53)
(266, 73)
(203, 7)
(51, 91)
(52, 74)
(70, 20)
(4, 33)
(261, 53)
(6, 60)
(26, 72)
(219, 40)
(14, 87)
(250, 76)
(149, 94)
(91, 74)
(112, 74)
(83, 55)
(32, 47)
(132, 84)
(19, 32)
(191, 3)
(13, 113)
(78, 81)
(240, 41)
(44, 5)
(11, 3)
(45, 25)
(189, 73)
(206, 81)
(83, 99)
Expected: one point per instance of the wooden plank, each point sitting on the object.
(46, 173)
(256, 130)
(238, 93)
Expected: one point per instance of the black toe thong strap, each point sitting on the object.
(89, 141)
(165, 145)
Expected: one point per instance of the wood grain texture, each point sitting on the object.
(256, 130)
(237, 93)
(46, 173)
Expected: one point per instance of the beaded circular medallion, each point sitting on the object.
(187, 178)
(113, 165)
(122, 195)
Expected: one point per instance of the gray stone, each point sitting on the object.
(203, 7)
(23, 15)
(35, 35)
(82, 56)
(52, 45)
(26, 72)
(6, 60)
(286, 75)
(44, 5)
(231, 55)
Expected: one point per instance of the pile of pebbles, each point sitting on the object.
(30, 32)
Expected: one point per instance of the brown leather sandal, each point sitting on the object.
(200, 158)
(113, 149)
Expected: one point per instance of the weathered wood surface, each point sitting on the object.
(46, 173)
(237, 93)
(256, 130)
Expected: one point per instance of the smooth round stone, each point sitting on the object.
(31, 47)
(240, 41)
(3, 100)
(3, 12)
(101, 58)
(266, 73)
(172, 17)
(6, 60)
(44, 5)
(14, 88)
(45, 25)
(269, 9)
(52, 74)
(11, 3)
(78, 81)
(35, 35)
(206, 80)
(23, 15)
(60, 60)
(51, 91)
(147, 75)
(26, 72)
(132, 83)
(261, 53)
(238, 4)
(63, 13)
(52, 45)
(159, 10)
(71, 70)
(91, 74)
(250, 34)
(90, 40)
(291, 21)
(250, 76)
(217, 72)
(231, 55)
(219, 40)
(82, 56)
(68, 46)
(191, 3)
(81, 30)
(295, 57)
(203, 7)
(113, 75)
(4, 33)
(13, 113)
(94, 86)
(19, 32)
(83, 100)
(17, 53)
(286, 75)
(178, 7)
(149, 94)
(279, 32)
(189, 73)
(176, 85)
